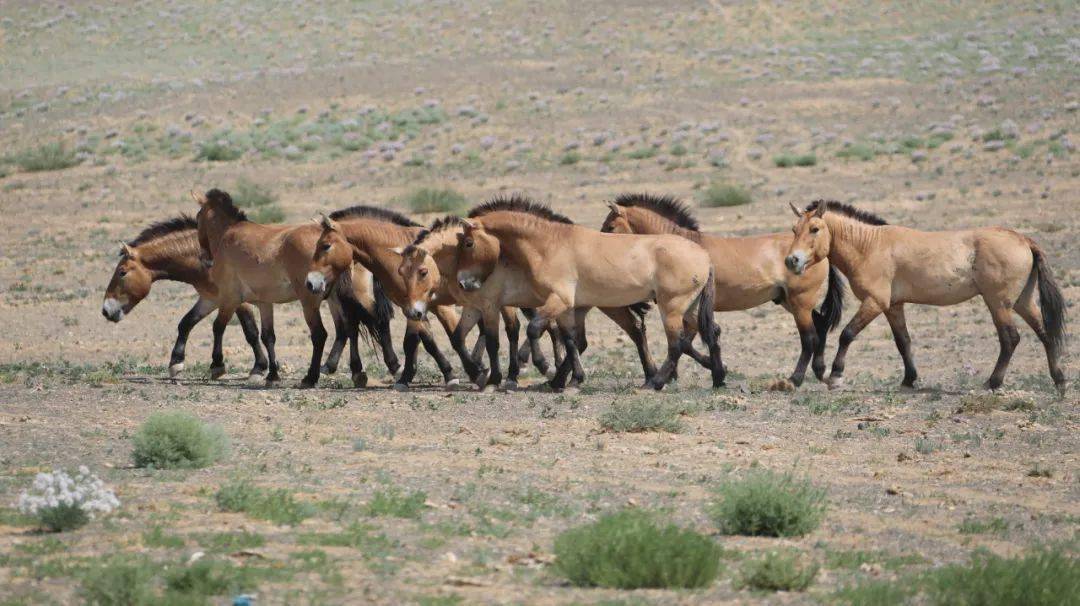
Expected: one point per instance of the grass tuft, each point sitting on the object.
(178, 440)
(638, 415)
(777, 571)
(278, 506)
(258, 201)
(393, 502)
(50, 156)
(1045, 576)
(765, 503)
(431, 200)
(789, 160)
(722, 194)
(631, 550)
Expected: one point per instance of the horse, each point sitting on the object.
(267, 265)
(749, 271)
(889, 266)
(169, 250)
(568, 266)
(428, 267)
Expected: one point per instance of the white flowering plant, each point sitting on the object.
(61, 502)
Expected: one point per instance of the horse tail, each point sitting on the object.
(384, 310)
(706, 301)
(1051, 302)
(832, 308)
(641, 309)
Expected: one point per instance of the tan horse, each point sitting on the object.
(888, 266)
(569, 266)
(429, 266)
(266, 265)
(749, 272)
(169, 250)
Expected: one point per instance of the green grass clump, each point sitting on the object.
(230, 541)
(789, 160)
(1043, 577)
(431, 200)
(765, 503)
(861, 151)
(393, 502)
(631, 549)
(641, 415)
(642, 153)
(120, 582)
(217, 151)
(875, 593)
(63, 517)
(278, 506)
(720, 194)
(259, 203)
(178, 440)
(156, 537)
(208, 577)
(570, 158)
(989, 526)
(777, 572)
(50, 156)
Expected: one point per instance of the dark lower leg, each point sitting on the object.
(821, 328)
(356, 365)
(807, 342)
(341, 335)
(662, 376)
(513, 331)
(251, 335)
(318, 341)
(194, 315)
(492, 342)
(473, 369)
(412, 342)
(217, 359)
(570, 362)
(433, 350)
(1008, 337)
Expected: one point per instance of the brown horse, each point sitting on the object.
(569, 266)
(267, 265)
(749, 272)
(169, 250)
(888, 266)
(428, 267)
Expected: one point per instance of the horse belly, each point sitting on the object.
(940, 288)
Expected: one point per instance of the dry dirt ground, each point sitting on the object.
(931, 117)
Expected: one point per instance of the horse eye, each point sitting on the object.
(468, 243)
(326, 247)
(813, 230)
(123, 272)
(423, 272)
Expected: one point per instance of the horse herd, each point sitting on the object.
(512, 254)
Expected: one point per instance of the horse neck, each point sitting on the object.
(173, 257)
(373, 241)
(648, 222)
(215, 230)
(520, 237)
(851, 242)
(442, 246)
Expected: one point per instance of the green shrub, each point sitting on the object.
(777, 572)
(630, 550)
(724, 195)
(861, 151)
(120, 582)
(230, 541)
(156, 537)
(430, 200)
(875, 593)
(278, 506)
(989, 526)
(178, 440)
(1043, 577)
(50, 156)
(570, 158)
(765, 503)
(208, 577)
(789, 160)
(63, 517)
(392, 502)
(637, 415)
(216, 151)
(642, 153)
(258, 201)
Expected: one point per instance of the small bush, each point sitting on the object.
(861, 151)
(570, 158)
(777, 572)
(429, 200)
(51, 156)
(990, 526)
(765, 503)
(637, 415)
(178, 440)
(60, 502)
(259, 202)
(642, 153)
(1043, 577)
(875, 593)
(789, 160)
(724, 195)
(230, 541)
(208, 577)
(120, 582)
(156, 537)
(988, 402)
(631, 550)
(392, 502)
(217, 151)
(277, 506)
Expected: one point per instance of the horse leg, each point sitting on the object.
(898, 324)
(868, 310)
(470, 317)
(821, 328)
(440, 360)
(808, 337)
(318, 341)
(479, 346)
(251, 335)
(673, 328)
(572, 360)
(555, 306)
(490, 327)
(196, 314)
(634, 327)
(337, 313)
(1008, 337)
(1027, 309)
(350, 322)
(411, 343)
(269, 338)
(529, 347)
(449, 319)
(217, 362)
(513, 331)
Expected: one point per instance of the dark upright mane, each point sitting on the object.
(518, 203)
(224, 202)
(438, 225)
(164, 228)
(669, 207)
(848, 211)
(373, 212)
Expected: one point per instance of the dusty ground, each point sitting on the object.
(363, 102)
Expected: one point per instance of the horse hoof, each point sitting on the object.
(272, 382)
(402, 387)
(306, 384)
(452, 382)
(175, 370)
(328, 370)
(216, 372)
(835, 383)
(489, 388)
(359, 379)
(509, 385)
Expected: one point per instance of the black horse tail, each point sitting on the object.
(1051, 302)
(371, 323)
(641, 309)
(707, 329)
(832, 308)
(384, 310)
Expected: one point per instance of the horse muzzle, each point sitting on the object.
(796, 262)
(416, 311)
(469, 283)
(113, 310)
(315, 283)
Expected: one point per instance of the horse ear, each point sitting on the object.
(398, 250)
(126, 250)
(327, 223)
(615, 208)
(820, 210)
(469, 225)
(200, 198)
(795, 210)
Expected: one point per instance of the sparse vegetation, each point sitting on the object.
(988, 526)
(431, 200)
(394, 502)
(789, 160)
(1045, 576)
(721, 194)
(258, 201)
(178, 440)
(50, 156)
(641, 415)
(767, 503)
(778, 571)
(278, 506)
(631, 549)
